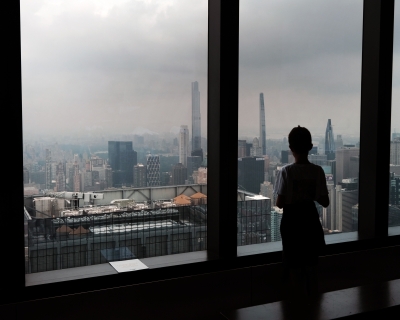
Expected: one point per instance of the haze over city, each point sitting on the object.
(125, 67)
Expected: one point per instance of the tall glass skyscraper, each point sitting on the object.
(263, 135)
(196, 121)
(121, 158)
(329, 142)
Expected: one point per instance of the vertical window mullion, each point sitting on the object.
(223, 61)
(376, 94)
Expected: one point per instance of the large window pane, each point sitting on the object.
(394, 192)
(299, 64)
(114, 119)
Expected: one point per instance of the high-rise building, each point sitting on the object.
(153, 170)
(179, 174)
(48, 169)
(276, 217)
(26, 175)
(256, 150)
(60, 177)
(241, 148)
(196, 121)
(183, 145)
(250, 173)
(345, 200)
(139, 176)
(395, 135)
(263, 135)
(193, 164)
(339, 142)
(122, 158)
(395, 151)
(318, 159)
(345, 167)
(329, 141)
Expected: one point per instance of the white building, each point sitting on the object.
(276, 217)
(183, 145)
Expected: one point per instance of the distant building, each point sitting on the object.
(339, 142)
(179, 174)
(26, 175)
(139, 176)
(345, 200)
(183, 145)
(250, 173)
(276, 217)
(345, 167)
(122, 158)
(256, 150)
(267, 190)
(153, 170)
(395, 151)
(193, 164)
(329, 141)
(263, 139)
(196, 119)
(242, 148)
(318, 159)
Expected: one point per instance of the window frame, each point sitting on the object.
(223, 41)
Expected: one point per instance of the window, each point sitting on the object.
(115, 130)
(299, 66)
(221, 237)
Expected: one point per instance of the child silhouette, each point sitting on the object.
(297, 186)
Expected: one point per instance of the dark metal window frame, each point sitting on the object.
(223, 53)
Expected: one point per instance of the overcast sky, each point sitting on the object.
(126, 66)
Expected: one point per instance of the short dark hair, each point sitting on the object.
(300, 140)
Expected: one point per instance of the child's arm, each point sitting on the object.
(280, 201)
(323, 201)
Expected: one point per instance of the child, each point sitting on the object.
(298, 185)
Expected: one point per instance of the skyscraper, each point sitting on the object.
(263, 136)
(48, 169)
(196, 121)
(153, 170)
(395, 151)
(346, 163)
(179, 174)
(183, 145)
(122, 158)
(329, 142)
(139, 176)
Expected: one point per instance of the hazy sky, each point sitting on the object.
(126, 66)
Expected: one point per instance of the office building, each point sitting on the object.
(183, 144)
(196, 121)
(332, 164)
(263, 138)
(329, 141)
(153, 170)
(339, 142)
(318, 159)
(250, 174)
(242, 145)
(276, 217)
(314, 150)
(345, 167)
(139, 176)
(179, 174)
(122, 158)
(345, 200)
(256, 150)
(60, 177)
(395, 151)
(193, 164)
(48, 169)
